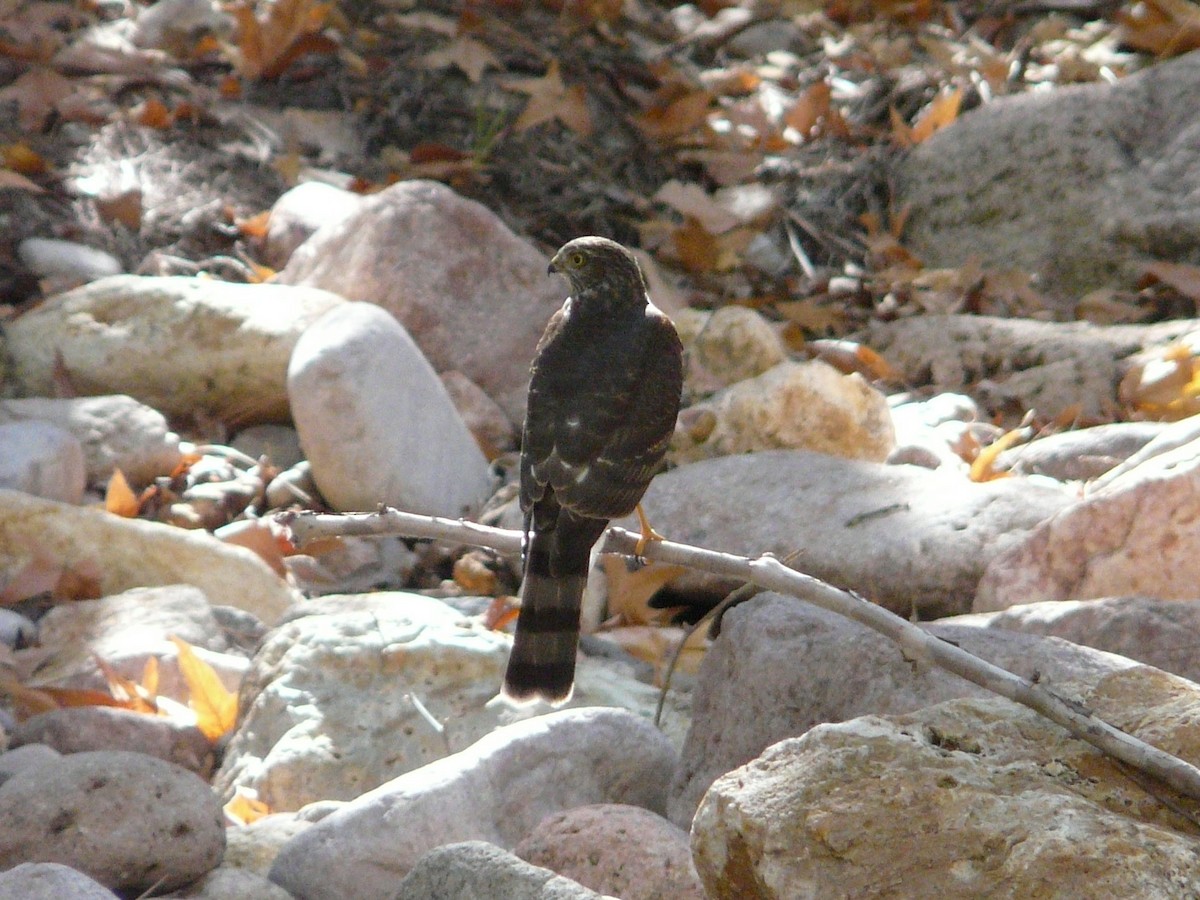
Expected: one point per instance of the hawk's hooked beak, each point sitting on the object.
(553, 267)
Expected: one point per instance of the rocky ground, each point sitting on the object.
(935, 266)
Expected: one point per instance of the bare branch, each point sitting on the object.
(307, 527)
(769, 573)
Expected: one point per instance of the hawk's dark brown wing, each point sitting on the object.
(602, 404)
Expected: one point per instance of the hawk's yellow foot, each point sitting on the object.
(648, 533)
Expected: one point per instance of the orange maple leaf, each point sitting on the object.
(244, 806)
(940, 112)
(290, 29)
(214, 705)
(119, 498)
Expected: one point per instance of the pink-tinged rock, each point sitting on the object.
(1160, 633)
(130, 821)
(301, 212)
(1139, 533)
(83, 728)
(474, 295)
(618, 850)
(481, 414)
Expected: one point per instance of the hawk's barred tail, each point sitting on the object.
(542, 663)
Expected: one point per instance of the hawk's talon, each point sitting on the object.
(648, 533)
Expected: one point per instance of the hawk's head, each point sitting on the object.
(600, 270)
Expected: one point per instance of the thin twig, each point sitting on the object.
(735, 596)
(768, 572)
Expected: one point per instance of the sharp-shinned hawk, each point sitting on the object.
(603, 397)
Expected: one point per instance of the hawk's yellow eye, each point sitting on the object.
(576, 260)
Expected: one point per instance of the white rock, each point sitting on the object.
(116, 431)
(76, 729)
(931, 433)
(293, 487)
(1083, 454)
(254, 847)
(1160, 633)
(41, 459)
(123, 553)
(912, 415)
(481, 414)
(328, 706)
(495, 790)
(128, 820)
(794, 405)
(375, 421)
(52, 258)
(181, 345)
(1037, 182)
(619, 850)
(16, 630)
(176, 25)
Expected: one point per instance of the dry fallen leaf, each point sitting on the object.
(675, 117)
(153, 113)
(127, 692)
(267, 45)
(261, 536)
(811, 315)
(469, 56)
(10, 179)
(983, 468)
(1162, 27)
(47, 574)
(630, 590)
(500, 612)
(883, 244)
(812, 113)
(473, 575)
(550, 99)
(852, 357)
(655, 644)
(1165, 387)
(214, 705)
(690, 199)
(37, 94)
(244, 807)
(119, 498)
(696, 248)
(940, 112)
(23, 159)
(123, 206)
(1181, 276)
